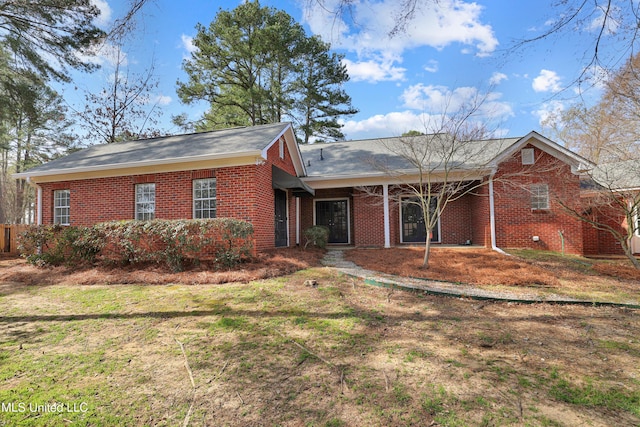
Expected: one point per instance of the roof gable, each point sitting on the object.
(578, 163)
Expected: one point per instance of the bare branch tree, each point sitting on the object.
(442, 165)
(612, 204)
(125, 108)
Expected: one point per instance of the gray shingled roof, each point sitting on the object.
(167, 149)
(357, 158)
(622, 175)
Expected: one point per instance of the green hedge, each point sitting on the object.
(172, 243)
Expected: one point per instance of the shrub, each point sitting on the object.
(169, 242)
(318, 235)
(56, 244)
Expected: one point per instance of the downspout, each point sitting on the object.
(38, 201)
(492, 215)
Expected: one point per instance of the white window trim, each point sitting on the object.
(56, 216)
(137, 203)
(193, 196)
(335, 199)
(531, 189)
(281, 148)
(400, 222)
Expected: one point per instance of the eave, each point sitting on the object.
(399, 178)
(145, 167)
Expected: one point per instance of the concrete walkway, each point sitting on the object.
(335, 258)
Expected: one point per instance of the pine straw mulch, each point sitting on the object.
(476, 266)
(274, 263)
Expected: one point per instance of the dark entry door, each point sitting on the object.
(413, 228)
(333, 215)
(281, 218)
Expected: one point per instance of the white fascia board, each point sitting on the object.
(254, 153)
(325, 182)
(294, 150)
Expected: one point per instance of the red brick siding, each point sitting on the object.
(517, 223)
(590, 241)
(368, 219)
(243, 192)
(480, 217)
(455, 224)
(601, 241)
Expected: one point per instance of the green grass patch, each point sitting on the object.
(591, 395)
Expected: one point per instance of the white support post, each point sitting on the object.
(387, 227)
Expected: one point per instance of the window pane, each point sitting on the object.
(61, 207)
(539, 196)
(204, 198)
(145, 201)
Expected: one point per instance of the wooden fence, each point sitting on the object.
(9, 237)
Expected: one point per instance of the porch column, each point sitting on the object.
(387, 227)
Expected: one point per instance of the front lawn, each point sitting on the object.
(280, 351)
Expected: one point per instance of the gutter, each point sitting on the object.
(492, 215)
(138, 164)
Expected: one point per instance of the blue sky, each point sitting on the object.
(396, 83)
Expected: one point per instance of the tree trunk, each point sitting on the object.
(427, 251)
(629, 254)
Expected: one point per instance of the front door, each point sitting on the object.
(413, 228)
(334, 215)
(281, 218)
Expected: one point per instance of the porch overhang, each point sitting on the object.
(282, 180)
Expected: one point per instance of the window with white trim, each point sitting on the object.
(204, 198)
(539, 196)
(61, 207)
(145, 201)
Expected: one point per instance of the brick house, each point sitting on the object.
(605, 190)
(260, 174)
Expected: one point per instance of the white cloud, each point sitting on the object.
(104, 54)
(105, 12)
(441, 100)
(162, 100)
(383, 125)
(548, 112)
(373, 71)
(547, 81)
(425, 107)
(497, 78)
(432, 66)
(435, 24)
(187, 43)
